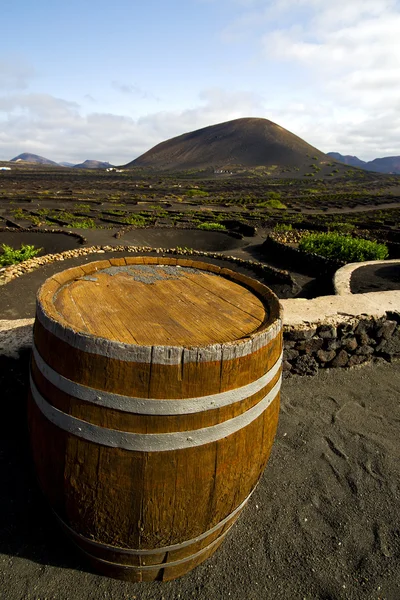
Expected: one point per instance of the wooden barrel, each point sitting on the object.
(154, 402)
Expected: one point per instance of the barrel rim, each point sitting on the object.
(54, 322)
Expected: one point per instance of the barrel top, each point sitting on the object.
(151, 301)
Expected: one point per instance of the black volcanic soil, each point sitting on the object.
(206, 241)
(323, 523)
(375, 278)
(248, 142)
(51, 243)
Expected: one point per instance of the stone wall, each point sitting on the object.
(347, 344)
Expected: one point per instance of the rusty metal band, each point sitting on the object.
(163, 355)
(161, 550)
(151, 442)
(152, 406)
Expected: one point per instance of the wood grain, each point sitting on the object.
(194, 309)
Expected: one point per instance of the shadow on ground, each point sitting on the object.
(27, 527)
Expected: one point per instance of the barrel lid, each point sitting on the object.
(157, 301)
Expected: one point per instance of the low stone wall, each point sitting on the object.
(347, 344)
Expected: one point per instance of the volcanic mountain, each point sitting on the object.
(245, 142)
(33, 158)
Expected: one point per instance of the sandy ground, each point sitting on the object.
(324, 522)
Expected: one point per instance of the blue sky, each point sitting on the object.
(94, 80)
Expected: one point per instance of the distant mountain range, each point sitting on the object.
(41, 160)
(388, 164)
(248, 142)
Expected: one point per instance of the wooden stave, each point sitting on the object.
(110, 563)
(163, 571)
(57, 435)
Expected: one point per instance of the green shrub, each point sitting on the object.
(137, 220)
(195, 192)
(82, 207)
(271, 204)
(273, 195)
(341, 227)
(343, 247)
(283, 227)
(13, 256)
(212, 227)
(18, 213)
(78, 223)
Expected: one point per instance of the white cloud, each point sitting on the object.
(58, 130)
(38, 105)
(345, 56)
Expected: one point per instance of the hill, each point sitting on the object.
(33, 158)
(352, 161)
(93, 164)
(248, 142)
(388, 164)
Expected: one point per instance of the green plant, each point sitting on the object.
(137, 220)
(13, 256)
(271, 204)
(184, 249)
(283, 227)
(273, 195)
(195, 192)
(343, 247)
(18, 213)
(82, 223)
(212, 227)
(340, 227)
